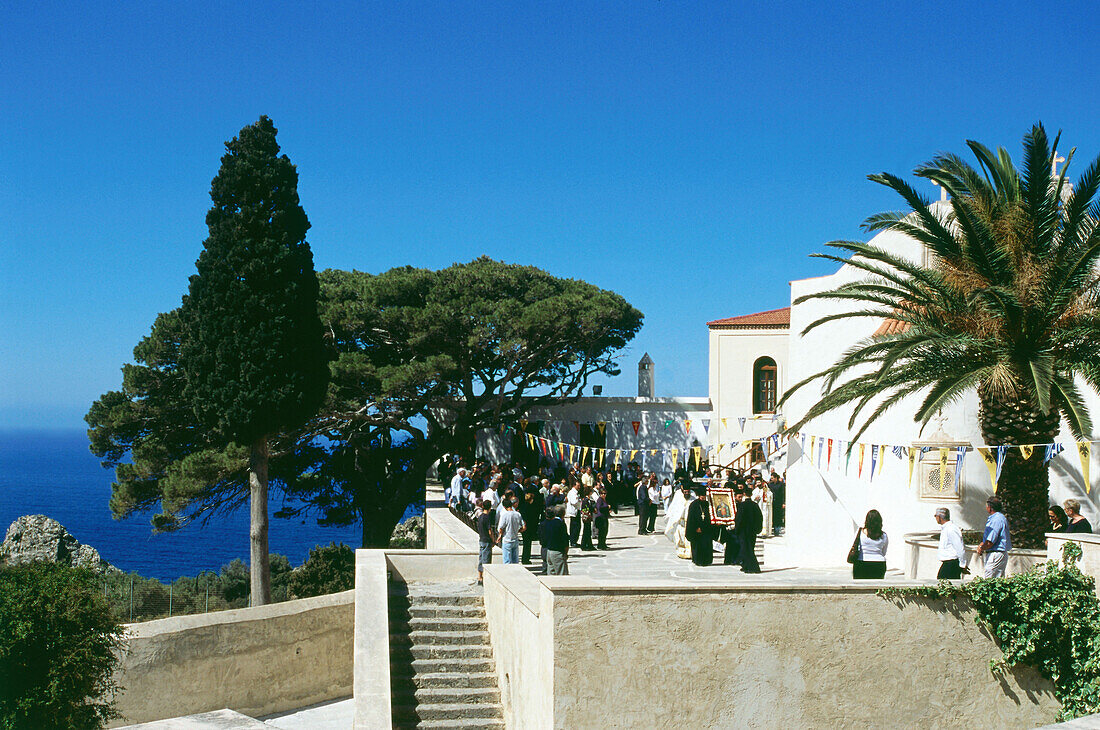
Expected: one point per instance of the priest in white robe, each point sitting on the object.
(676, 522)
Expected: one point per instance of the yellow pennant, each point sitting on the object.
(687, 426)
(601, 425)
(523, 424)
(747, 443)
(675, 454)
(1025, 451)
(723, 424)
(617, 454)
(584, 453)
(572, 450)
(1084, 450)
(653, 452)
(718, 451)
(881, 458)
(912, 461)
(990, 462)
(695, 452)
(632, 453)
(943, 469)
(859, 471)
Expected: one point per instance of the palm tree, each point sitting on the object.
(1009, 306)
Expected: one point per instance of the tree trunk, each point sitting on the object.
(1024, 486)
(260, 567)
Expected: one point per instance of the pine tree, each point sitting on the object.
(252, 355)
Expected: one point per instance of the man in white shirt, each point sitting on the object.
(952, 553)
(509, 527)
(453, 494)
(586, 477)
(654, 500)
(572, 513)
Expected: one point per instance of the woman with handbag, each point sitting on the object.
(868, 553)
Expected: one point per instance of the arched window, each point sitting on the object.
(764, 385)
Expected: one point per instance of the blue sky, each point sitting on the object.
(687, 155)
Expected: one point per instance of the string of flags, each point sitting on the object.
(819, 451)
(599, 457)
(667, 423)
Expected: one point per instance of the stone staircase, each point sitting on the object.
(442, 673)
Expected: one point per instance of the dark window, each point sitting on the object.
(764, 386)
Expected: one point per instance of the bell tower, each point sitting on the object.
(645, 377)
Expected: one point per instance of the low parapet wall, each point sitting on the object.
(922, 558)
(1090, 552)
(257, 661)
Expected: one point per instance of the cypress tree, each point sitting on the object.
(252, 355)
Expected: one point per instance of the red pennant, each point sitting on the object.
(635, 424)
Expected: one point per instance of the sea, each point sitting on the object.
(54, 474)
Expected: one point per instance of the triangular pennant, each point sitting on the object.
(943, 469)
(632, 453)
(636, 425)
(741, 423)
(848, 456)
(584, 453)
(724, 424)
(602, 425)
(617, 455)
(960, 455)
(859, 472)
(820, 449)
(718, 451)
(696, 453)
(675, 454)
(1052, 450)
(990, 461)
(577, 425)
(687, 426)
(874, 460)
(1084, 451)
(912, 461)
(668, 422)
(706, 426)
(1000, 452)
(523, 424)
(1025, 451)
(829, 456)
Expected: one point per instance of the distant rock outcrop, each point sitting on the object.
(409, 533)
(39, 538)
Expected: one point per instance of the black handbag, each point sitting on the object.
(853, 553)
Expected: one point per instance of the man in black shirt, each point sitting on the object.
(531, 509)
(554, 536)
(486, 537)
(747, 526)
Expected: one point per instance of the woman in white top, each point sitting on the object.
(871, 561)
(666, 493)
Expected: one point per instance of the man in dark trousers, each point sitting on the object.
(531, 509)
(641, 498)
(699, 530)
(746, 527)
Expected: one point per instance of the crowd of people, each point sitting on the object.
(569, 507)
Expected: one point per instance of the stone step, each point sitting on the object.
(458, 680)
(439, 623)
(437, 665)
(445, 695)
(433, 600)
(433, 637)
(468, 724)
(439, 651)
(434, 611)
(467, 711)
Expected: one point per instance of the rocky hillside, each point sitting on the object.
(39, 538)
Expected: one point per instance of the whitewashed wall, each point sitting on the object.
(824, 506)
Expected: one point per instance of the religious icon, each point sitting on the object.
(722, 506)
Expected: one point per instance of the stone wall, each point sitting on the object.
(828, 657)
(257, 661)
(922, 558)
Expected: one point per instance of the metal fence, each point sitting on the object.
(134, 598)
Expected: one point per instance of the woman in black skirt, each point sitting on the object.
(871, 562)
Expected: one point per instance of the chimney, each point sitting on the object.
(645, 377)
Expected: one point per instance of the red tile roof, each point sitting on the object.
(770, 318)
(891, 326)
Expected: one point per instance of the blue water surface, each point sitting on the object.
(53, 473)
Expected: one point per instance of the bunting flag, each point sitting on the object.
(675, 454)
(653, 452)
(990, 461)
(687, 426)
(632, 453)
(741, 423)
(912, 462)
(829, 456)
(820, 449)
(848, 457)
(960, 455)
(803, 437)
(724, 424)
(899, 451)
(617, 455)
(943, 469)
(882, 457)
(706, 426)
(584, 453)
(635, 424)
(859, 472)
(874, 461)
(1053, 450)
(603, 454)
(577, 425)
(1084, 451)
(502, 427)
(523, 424)
(602, 425)
(718, 451)
(572, 449)
(1000, 452)
(668, 423)
(696, 453)
(1025, 451)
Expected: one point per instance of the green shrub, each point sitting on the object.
(329, 569)
(57, 648)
